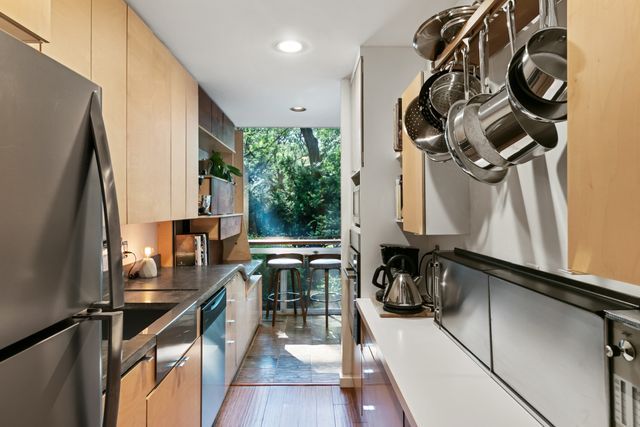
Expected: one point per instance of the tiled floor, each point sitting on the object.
(293, 353)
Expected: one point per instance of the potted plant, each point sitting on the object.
(222, 184)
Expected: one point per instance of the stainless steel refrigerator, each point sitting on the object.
(56, 186)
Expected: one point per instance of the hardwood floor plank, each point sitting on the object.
(324, 406)
(243, 406)
(289, 406)
(275, 402)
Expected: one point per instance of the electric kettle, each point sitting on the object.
(401, 294)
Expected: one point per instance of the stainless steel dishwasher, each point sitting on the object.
(213, 344)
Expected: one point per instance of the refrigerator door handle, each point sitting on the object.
(114, 321)
(110, 204)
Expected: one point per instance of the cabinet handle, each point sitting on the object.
(147, 359)
(231, 342)
(230, 300)
(183, 362)
(231, 321)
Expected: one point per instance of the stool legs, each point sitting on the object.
(293, 287)
(296, 286)
(303, 304)
(326, 298)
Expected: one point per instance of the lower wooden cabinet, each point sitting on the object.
(176, 400)
(244, 308)
(249, 311)
(380, 406)
(135, 386)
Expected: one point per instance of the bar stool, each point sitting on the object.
(291, 263)
(326, 263)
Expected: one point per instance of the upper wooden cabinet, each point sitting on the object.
(217, 131)
(109, 70)
(148, 125)
(603, 151)
(435, 196)
(27, 20)
(70, 41)
(191, 191)
(178, 139)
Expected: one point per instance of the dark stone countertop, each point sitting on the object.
(177, 289)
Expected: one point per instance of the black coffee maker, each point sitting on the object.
(408, 262)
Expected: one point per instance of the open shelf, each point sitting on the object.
(209, 142)
(525, 12)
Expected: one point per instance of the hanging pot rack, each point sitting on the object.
(525, 12)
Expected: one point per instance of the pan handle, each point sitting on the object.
(511, 25)
(482, 53)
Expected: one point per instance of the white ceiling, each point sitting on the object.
(228, 47)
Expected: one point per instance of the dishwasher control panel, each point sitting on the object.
(623, 338)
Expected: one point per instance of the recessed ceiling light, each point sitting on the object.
(298, 109)
(289, 46)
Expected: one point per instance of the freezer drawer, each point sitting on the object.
(465, 307)
(55, 382)
(551, 354)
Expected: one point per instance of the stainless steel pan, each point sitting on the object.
(428, 41)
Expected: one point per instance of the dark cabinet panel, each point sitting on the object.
(204, 110)
(228, 132)
(217, 120)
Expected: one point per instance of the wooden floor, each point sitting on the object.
(289, 406)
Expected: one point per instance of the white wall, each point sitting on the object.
(387, 72)
(138, 236)
(524, 219)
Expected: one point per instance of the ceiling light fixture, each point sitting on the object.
(298, 109)
(289, 46)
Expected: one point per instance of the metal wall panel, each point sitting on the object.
(551, 354)
(465, 307)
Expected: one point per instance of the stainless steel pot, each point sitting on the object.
(456, 139)
(514, 136)
(534, 108)
(544, 62)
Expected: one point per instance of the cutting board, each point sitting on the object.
(385, 314)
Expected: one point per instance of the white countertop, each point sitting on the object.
(436, 382)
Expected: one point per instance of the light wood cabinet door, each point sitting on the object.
(176, 400)
(249, 310)
(191, 175)
(413, 218)
(28, 20)
(602, 149)
(109, 70)
(178, 140)
(148, 125)
(235, 289)
(70, 41)
(135, 386)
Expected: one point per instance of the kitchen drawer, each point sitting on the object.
(175, 339)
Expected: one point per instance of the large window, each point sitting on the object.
(293, 177)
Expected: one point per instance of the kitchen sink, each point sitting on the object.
(136, 319)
